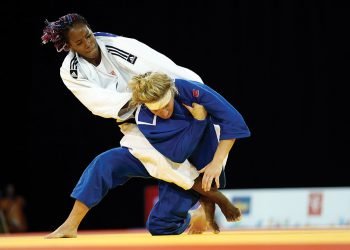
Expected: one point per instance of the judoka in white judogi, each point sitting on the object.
(103, 90)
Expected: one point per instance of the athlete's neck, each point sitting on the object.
(96, 60)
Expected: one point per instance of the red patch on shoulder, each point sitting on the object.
(195, 92)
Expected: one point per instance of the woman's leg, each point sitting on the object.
(231, 212)
(170, 215)
(69, 229)
(108, 170)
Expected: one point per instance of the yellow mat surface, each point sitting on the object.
(144, 239)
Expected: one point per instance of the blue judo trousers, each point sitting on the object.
(116, 166)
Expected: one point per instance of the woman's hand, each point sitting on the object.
(198, 111)
(211, 172)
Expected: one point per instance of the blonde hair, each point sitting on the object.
(150, 87)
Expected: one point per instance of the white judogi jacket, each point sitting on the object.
(104, 94)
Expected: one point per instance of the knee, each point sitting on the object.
(153, 229)
(156, 228)
(159, 226)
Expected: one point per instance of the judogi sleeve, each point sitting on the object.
(222, 113)
(149, 59)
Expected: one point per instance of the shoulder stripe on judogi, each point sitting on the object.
(122, 54)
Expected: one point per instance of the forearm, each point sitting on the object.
(223, 150)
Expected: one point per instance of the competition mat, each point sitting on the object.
(306, 239)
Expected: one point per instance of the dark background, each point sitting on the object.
(284, 65)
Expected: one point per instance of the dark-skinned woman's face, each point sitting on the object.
(82, 40)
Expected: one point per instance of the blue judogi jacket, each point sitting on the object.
(181, 136)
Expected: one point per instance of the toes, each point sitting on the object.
(194, 232)
(215, 228)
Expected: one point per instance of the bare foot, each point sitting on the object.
(209, 209)
(232, 213)
(214, 227)
(64, 231)
(198, 222)
(69, 229)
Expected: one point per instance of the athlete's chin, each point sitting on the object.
(93, 53)
(166, 117)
